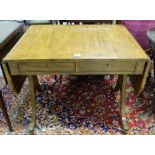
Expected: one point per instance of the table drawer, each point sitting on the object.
(46, 67)
(107, 66)
(31, 67)
(61, 66)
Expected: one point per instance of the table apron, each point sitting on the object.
(89, 67)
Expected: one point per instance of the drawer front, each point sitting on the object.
(107, 66)
(46, 67)
(31, 67)
(61, 66)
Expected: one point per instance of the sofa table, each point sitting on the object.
(10, 32)
(78, 50)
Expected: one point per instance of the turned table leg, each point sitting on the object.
(32, 86)
(123, 101)
(5, 112)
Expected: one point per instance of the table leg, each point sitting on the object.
(6, 82)
(123, 101)
(119, 83)
(5, 112)
(55, 77)
(60, 78)
(32, 86)
(37, 85)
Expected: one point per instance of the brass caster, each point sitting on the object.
(31, 129)
(125, 125)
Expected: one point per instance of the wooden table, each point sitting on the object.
(10, 32)
(78, 50)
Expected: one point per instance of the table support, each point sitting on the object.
(119, 83)
(123, 101)
(32, 86)
(5, 112)
(60, 78)
(36, 83)
(6, 82)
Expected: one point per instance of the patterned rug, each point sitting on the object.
(81, 105)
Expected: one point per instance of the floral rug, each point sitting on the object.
(80, 105)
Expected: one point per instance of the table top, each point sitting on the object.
(48, 42)
(7, 28)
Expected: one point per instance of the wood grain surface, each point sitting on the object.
(46, 42)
